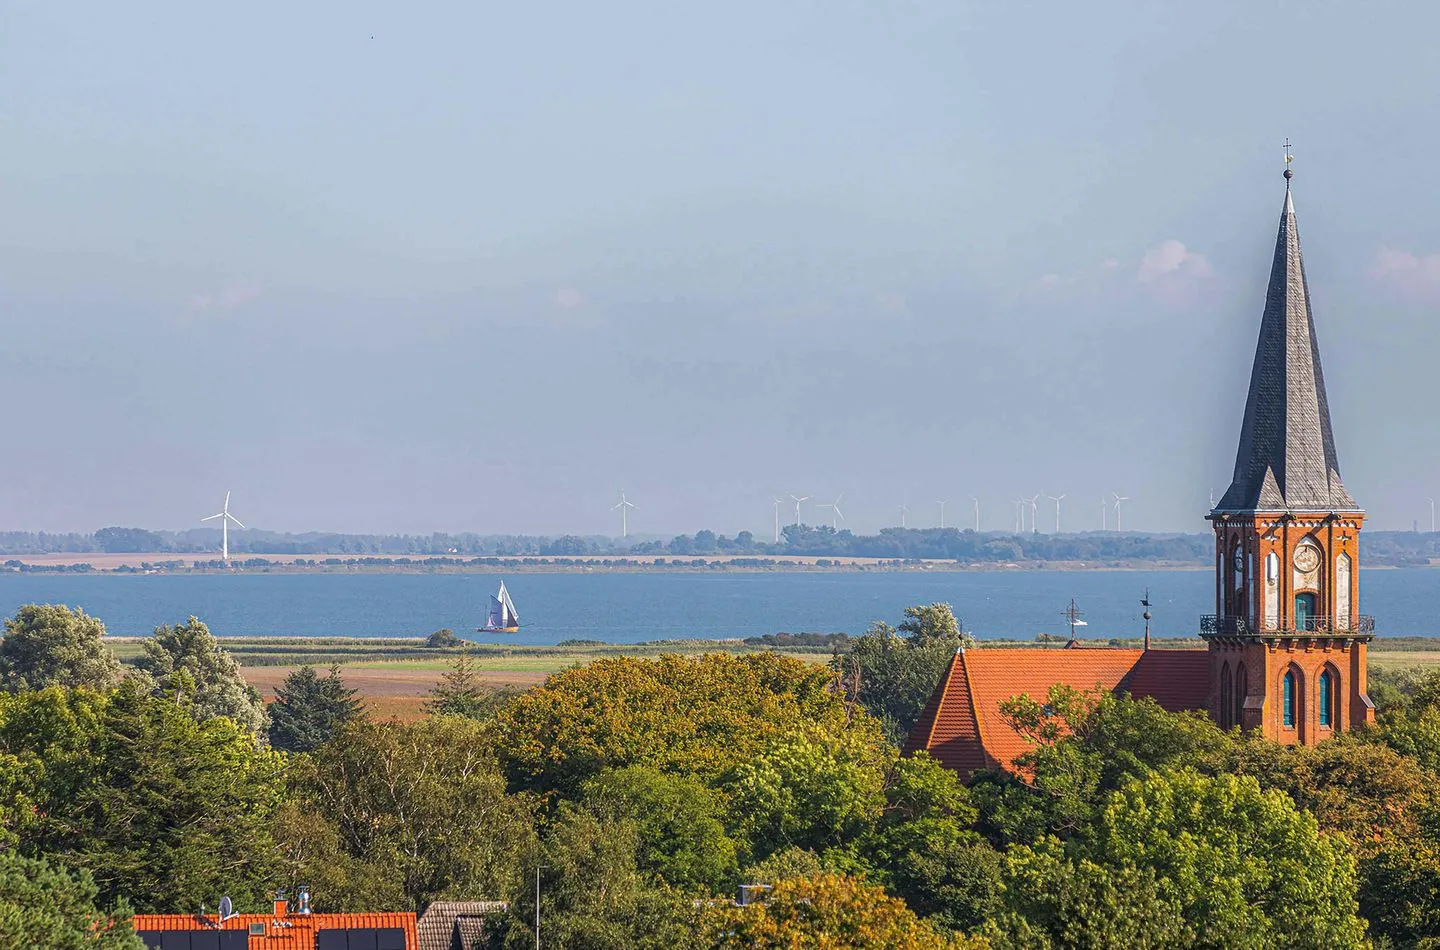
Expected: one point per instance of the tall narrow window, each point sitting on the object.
(1288, 700)
(1227, 705)
(1242, 687)
(1327, 697)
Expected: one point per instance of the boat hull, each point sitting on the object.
(499, 629)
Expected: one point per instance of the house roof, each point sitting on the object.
(1286, 459)
(962, 726)
(442, 920)
(289, 932)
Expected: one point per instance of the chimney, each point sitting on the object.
(281, 905)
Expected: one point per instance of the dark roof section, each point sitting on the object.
(1287, 456)
(455, 925)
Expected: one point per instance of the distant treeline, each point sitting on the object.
(1394, 548)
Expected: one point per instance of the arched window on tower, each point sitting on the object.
(1242, 686)
(1288, 700)
(1326, 697)
(1227, 705)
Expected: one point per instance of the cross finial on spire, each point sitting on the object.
(1288, 159)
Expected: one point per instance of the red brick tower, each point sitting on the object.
(1287, 640)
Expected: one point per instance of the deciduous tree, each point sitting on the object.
(828, 910)
(52, 645)
(679, 825)
(218, 687)
(408, 814)
(685, 715)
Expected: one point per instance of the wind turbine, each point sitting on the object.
(1118, 499)
(225, 518)
(977, 513)
(1034, 526)
(903, 512)
(777, 521)
(942, 505)
(1019, 504)
(1056, 499)
(1104, 514)
(624, 507)
(836, 515)
(1432, 514)
(797, 505)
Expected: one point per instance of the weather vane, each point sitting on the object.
(1288, 159)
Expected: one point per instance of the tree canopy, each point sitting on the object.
(187, 658)
(309, 710)
(686, 715)
(44, 905)
(52, 645)
(390, 814)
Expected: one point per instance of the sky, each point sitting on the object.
(376, 267)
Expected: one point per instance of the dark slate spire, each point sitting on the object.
(1287, 457)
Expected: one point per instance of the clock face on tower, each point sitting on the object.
(1306, 559)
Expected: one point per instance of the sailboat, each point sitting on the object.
(503, 617)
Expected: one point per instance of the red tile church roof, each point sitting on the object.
(962, 726)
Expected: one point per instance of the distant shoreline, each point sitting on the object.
(165, 563)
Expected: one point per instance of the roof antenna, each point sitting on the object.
(1145, 602)
(1072, 615)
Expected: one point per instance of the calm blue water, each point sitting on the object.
(626, 608)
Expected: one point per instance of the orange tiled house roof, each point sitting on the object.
(286, 931)
(962, 726)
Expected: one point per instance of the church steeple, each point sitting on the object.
(1287, 640)
(1286, 460)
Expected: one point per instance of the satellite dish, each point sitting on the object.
(227, 909)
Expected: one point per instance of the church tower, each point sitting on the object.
(1287, 641)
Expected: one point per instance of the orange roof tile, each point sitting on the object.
(962, 725)
(290, 932)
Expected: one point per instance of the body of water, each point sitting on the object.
(632, 607)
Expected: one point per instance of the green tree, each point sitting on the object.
(678, 823)
(594, 895)
(43, 905)
(308, 710)
(894, 676)
(443, 638)
(808, 790)
(390, 814)
(1053, 901)
(460, 693)
(828, 910)
(934, 623)
(686, 715)
(52, 645)
(1244, 866)
(927, 849)
(1086, 743)
(219, 688)
(160, 808)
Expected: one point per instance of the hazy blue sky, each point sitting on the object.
(458, 266)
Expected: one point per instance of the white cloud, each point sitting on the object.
(229, 297)
(568, 298)
(1169, 271)
(1171, 258)
(1407, 272)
